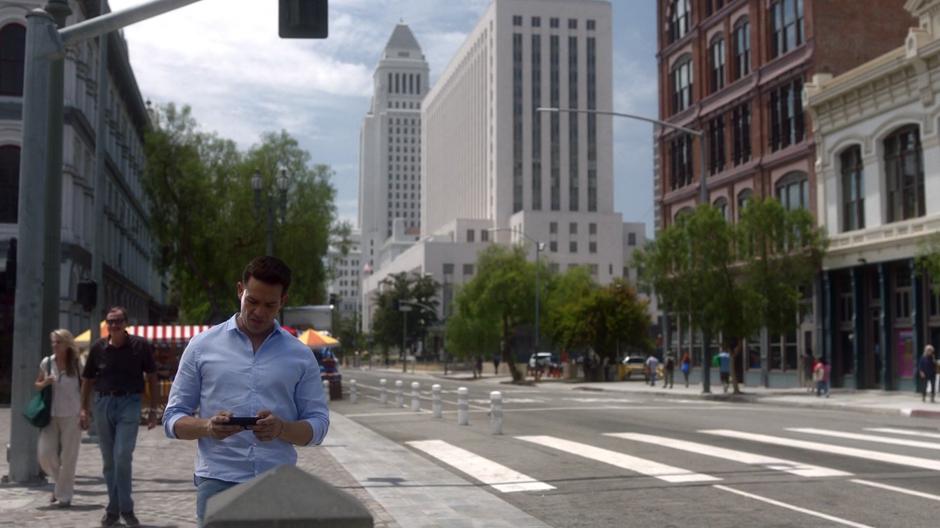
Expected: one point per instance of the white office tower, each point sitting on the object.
(344, 262)
(489, 155)
(390, 146)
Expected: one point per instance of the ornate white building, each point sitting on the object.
(878, 188)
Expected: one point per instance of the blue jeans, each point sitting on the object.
(206, 488)
(118, 419)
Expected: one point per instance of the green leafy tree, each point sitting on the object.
(928, 260)
(203, 216)
(389, 322)
(565, 292)
(613, 317)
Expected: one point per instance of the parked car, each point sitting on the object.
(636, 365)
(541, 360)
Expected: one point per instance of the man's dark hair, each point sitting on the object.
(270, 270)
(121, 309)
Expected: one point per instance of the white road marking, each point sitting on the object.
(621, 460)
(814, 513)
(778, 464)
(877, 456)
(486, 471)
(866, 438)
(897, 489)
(909, 432)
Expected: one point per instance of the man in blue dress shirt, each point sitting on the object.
(247, 366)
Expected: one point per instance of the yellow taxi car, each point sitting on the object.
(635, 366)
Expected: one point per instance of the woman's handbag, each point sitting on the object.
(39, 409)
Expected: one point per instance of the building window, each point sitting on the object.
(553, 246)
(713, 5)
(574, 174)
(680, 161)
(516, 20)
(555, 122)
(786, 114)
(786, 22)
(631, 239)
(853, 189)
(592, 124)
(592, 228)
(470, 235)
(9, 183)
(743, 198)
(536, 21)
(721, 205)
(742, 48)
(682, 84)
(468, 269)
(716, 56)
(573, 228)
(591, 25)
(484, 235)
(741, 130)
(517, 122)
(573, 246)
(592, 247)
(572, 23)
(716, 145)
(553, 23)
(678, 14)
(793, 191)
(12, 58)
(553, 228)
(536, 123)
(448, 268)
(904, 169)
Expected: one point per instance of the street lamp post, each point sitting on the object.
(282, 183)
(703, 193)
(538, 249)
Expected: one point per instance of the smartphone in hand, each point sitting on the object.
(243, 421)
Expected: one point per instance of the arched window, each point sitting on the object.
(12, 54)
(853, 189)
(793, 191)
(722, 205)
(904, 171)
(741, 39)
(679, 14)
(9, 183)
(743, 198)
(716, 57)
(682, 84)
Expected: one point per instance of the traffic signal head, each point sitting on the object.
(308, 19)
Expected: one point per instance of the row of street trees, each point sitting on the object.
(204, 218)
(732, 280)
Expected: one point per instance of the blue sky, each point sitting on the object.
(223, 58)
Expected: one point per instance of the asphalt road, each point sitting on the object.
(577, 458)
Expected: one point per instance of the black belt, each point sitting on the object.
(116, 393)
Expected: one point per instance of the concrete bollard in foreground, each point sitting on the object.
(463, 407)
(353, 391)
(285, 496)
(415, 397)
(436, 405)
(326, 389)
(399, 393)
(496, 413)
(383, 393)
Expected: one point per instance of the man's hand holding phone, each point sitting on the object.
(268, 427)
(219, 426)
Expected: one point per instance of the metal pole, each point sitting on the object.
(270, 242)
(42, 44)
(100, 25)
(537, 250)
(97, 232)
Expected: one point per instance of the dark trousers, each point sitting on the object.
(118, 419)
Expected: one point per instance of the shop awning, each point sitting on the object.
(314, 339)
(157, 334)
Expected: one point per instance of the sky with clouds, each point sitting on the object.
(225, 60)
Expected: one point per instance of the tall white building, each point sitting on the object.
(344, 264)
(489, 161)
(390, 145)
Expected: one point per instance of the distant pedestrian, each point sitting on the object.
(59, 441)
(927, 368)
(478, 367)
(247, 367)
(686, 367)
(669, 369)
(496, 364)
(724, 369)
(821, 371)
(115, 368)
(652, 363)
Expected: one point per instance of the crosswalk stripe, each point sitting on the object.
(486, 471)
(897, 489)
(814, 513)
(778, 464)
(908, 432)
(866, 438)
(877, 456)
(621, 460)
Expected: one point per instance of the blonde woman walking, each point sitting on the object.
(59, 441)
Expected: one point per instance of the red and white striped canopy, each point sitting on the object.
(175, 334)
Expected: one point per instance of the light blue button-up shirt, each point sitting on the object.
(219, 371)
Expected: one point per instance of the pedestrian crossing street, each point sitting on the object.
(656, 457)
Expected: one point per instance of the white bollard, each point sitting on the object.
(496, 413)
(353, 391)
(463, 407)
(415, 397)
(436, 404)
(326, 389)
(383, 394)
(399, 393)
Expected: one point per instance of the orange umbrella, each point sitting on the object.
(314, 339)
